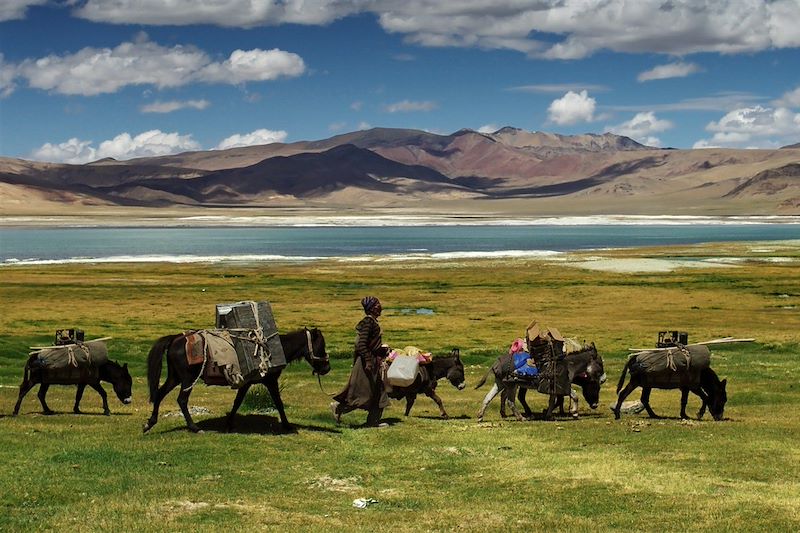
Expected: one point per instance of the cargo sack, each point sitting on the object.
(403, 371)
(255, 337)
(80, 355)
(679, 366)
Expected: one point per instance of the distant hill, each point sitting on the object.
(399, 167)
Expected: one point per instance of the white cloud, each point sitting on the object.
(93, 71)
(123, 146)
(364, 126)
(16, 9)
(8, 73)
(337, 126)
(789, 99)
(677, 27)
(73, 151)
(670, 70)
(231, 13)
(407, 106)
(174, 105)
(254, 65)
(488, 128)
(260, 136)
(357, 105)
(572, 108)
(642, 127)
(755, 126)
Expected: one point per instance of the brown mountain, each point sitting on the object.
(510, 169)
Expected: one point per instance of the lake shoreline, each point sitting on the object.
(378, 220)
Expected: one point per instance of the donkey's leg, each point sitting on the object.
(521, 396)
(237, 402)
(703, 398)
(24, 389)
(101, 391)
(646, 402)
(573, 403)
(629, 388)
(410, 399)
(684, 401)
(511, 399)
(78, 395)
(274, 391)
(488, 398)
(431, 393)
(551, 405)
(42, 394)
(560, 405)
(163, 390)
(503, 398)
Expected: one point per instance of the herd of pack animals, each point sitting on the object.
(585, 370)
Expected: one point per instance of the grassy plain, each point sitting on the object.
(92, 472)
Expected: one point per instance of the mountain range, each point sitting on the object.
(509, 171)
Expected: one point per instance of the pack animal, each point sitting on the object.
(449, 367)
(585, 368)
(699, 379)
(308, 344)
(110, 372)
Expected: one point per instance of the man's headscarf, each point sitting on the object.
(368, 302)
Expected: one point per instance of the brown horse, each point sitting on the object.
(308, 344)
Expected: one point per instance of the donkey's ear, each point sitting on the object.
(125, 365)
(724, 382)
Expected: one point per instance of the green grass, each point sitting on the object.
(96, 473)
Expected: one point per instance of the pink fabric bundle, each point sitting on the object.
(517, 346)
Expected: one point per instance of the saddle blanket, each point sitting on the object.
(214, 347)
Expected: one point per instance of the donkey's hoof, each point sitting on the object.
(48, 412)
(107, 413)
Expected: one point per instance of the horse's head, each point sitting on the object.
(316, 354)
(717, 400)
(455, 374)
(121, 380)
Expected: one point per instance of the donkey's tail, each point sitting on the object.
(154, 362)
(624, 373)
(483, 379)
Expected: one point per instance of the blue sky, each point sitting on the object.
(86, 79)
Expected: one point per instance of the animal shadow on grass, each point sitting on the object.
(68, 413)
(437, 417)
(256, 424)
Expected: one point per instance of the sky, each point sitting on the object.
(81, 80)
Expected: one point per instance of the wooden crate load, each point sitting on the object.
(546, 346)
(255, 336)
